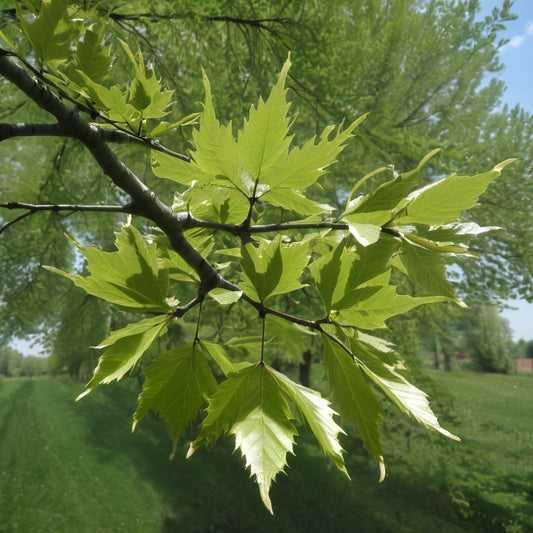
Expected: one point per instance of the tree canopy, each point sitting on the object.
(244, 218)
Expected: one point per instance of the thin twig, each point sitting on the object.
(14, 221)
(34, 208)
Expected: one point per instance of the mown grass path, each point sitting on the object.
(68, 467)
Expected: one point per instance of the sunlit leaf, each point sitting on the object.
(177, 385)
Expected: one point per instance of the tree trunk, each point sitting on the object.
(305, 369)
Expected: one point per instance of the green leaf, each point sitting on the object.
(145, 93)
(302, 167)
(263, 138)
(177, 385)
(130, 277)
(112, 102)
(448, 248)
(262, 268)
(225, 297)
(124, 348)
(456, 232)
(171, 168)
(353, 397)
(164, 127)
(427, 269)
(220, 357)
(273, 268)
(369, 261)
(293, 200)
(365, 234)
(251, 406)
(318, 415)
(443, 201)
(92, 57)
(216, 154)
(374, 305)
(382, 366)
(218, 204)
(391, 193)
(291, 338)
(326, 272)
(50, 33)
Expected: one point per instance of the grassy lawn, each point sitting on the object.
(67, 466)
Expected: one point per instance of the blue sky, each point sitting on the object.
(517, 56)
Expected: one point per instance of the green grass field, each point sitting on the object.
(76, 467)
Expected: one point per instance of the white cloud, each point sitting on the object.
(518, 40)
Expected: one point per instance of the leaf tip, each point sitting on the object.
(173, 451)
(500, 166)
(82, 395)
(190, 451)
(382, 471)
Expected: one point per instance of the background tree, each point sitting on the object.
(422, 88)
(10, 362)
(489, 340)
(247, 185)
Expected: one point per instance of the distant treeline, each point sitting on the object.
(14, 364)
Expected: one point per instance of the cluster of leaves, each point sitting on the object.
(234, 184)
(70, 41)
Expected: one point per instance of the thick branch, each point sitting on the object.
(8, 131)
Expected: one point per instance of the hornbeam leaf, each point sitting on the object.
(177, 385)
(443, 201)
(365, 234)
(131, 277)
(456, 232)
(326, 272)
(318, 415)
(377, 304)
(262, 268)
(50, 33)
(264, 135)
(427, 269)
(294, 200)
(380, 363)
(251, 406)
(353, 397)
(171, 168)
(123, 349)
(220, 357)
(387, 196)
(302, 167)
(92, 57)
(216, 152)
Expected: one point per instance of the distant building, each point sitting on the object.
(524, 364)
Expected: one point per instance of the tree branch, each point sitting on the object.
(7, 131)
(245, 229)
(146, 201)
(14, 221)
(119, 135)
(34, 208)
(34, 129)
